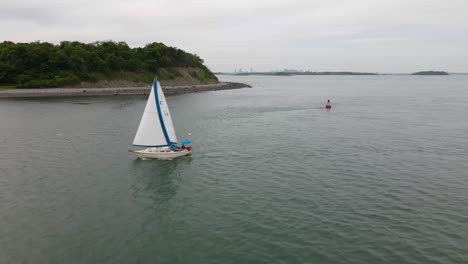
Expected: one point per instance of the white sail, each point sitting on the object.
(156, 127)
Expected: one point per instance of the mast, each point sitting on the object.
(158, 106)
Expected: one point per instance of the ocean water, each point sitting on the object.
(274, 177)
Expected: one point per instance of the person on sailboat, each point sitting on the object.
(328, 105)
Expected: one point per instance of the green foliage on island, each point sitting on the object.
(42, 64)
(431, 73)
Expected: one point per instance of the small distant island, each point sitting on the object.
(100, 64)
(431, 73)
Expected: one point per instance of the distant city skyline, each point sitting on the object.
(361, 36)
(271, 70)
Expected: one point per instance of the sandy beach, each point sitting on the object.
(174, 90)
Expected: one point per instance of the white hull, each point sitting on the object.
(151, 154)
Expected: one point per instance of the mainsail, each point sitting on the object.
(156, 128)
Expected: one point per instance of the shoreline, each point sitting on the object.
(172, 90)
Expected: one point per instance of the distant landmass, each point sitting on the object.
(431, 73)
(297, 73)
(76, 64)
(290, 73)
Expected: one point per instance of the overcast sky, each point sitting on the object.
(331, 35)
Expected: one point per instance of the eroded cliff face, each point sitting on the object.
(168, 77)
(186, 76)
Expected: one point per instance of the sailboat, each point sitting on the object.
(156, 132)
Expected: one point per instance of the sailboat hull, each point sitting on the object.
(148, 154)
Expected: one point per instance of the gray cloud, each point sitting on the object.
(361, 35)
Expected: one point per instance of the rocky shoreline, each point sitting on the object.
(173, 90)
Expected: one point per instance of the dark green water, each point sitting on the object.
(274, 177)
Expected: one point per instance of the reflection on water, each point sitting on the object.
(158, 179)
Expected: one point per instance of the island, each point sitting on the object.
(58, 68)
(430, 73)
